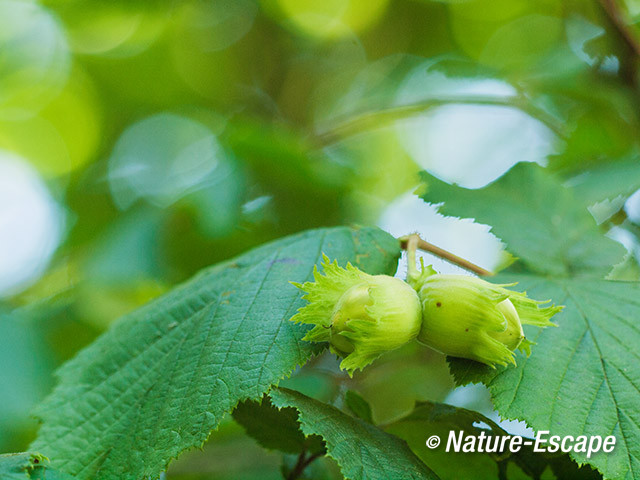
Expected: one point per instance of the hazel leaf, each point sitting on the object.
(159, 381)
(541, 221)
(362, 450)
(582, 378)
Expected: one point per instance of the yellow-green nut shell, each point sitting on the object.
(468, 317)
(513, 335)
(360, 315)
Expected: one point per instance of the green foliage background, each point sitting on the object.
(172, 137)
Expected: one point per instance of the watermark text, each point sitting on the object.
(457, 441)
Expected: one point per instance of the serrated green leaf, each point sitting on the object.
(162, 377)
(17, 466)
(25, 466)
(45, 473)
(275, 429)
(582, 378)
(540, 220)
(362, 450)
(430, 418)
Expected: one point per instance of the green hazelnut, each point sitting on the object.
(468, 317)
(362, 316)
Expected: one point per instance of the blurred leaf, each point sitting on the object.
(217, 206)
(524, 42)
(429, 418)
(540, 221)
(228, 454)
(374, 88)
(361, 449)
(601, 122)
(396, 381)
(307, 186)
(128, 250)
(27, 365)
(628, 269)
(608, 180)
(160, 380)
(275, 429)
(284, 158)
(358, 405)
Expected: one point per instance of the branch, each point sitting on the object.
(415, 241)
(618, 20)
(302, 463)
(366, 121)
(629, 63)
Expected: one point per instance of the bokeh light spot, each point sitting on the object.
(466, 143)
(31, 222)
(35, 58)
(67, 129)
(116, 29)
(332, 18)
(218, 25)
(162, 158)
(408, 214)
(472, 145)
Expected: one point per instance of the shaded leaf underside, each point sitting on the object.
(429, 418)
(362, 450)
(291, 422)
(275, 428)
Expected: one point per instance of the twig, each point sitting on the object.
(619, 22)
(414, 239)
(502, 470)
(363, 122)
(302, 463)
(629, 63)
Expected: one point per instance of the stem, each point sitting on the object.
(620, 23)
(412, 268)
(366, 121)
(618, 20)
(411, 242)
(502, 471)
(302, 463)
